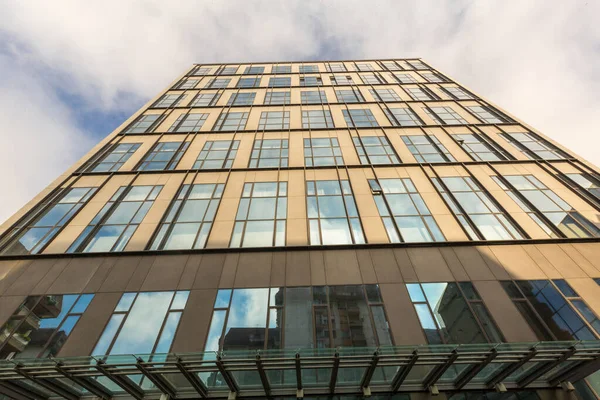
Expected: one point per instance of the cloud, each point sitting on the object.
(536, 59)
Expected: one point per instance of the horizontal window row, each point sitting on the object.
(303, 68)
(331, 215)
(361, 78)
(296, 318)
(321, 151)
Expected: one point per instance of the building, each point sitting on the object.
(308, 229)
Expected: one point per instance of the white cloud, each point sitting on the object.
(537, 59)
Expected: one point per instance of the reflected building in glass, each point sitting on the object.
(331, 229)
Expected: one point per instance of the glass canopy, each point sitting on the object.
(307, 372)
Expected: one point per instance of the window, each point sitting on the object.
(478, 148)
(433, 77)
(404, 214)
(551, 309)
(168, 100)
(417, 64)
(322, 151)
(307, 69)
(217, 154)
(41, 325)
(311, 81)
(159, 312)
(187, 84)
(227, 71)
(487, 115)
(402, 116)
(391, 65)
(560, 213)
(298, 317)
(533, 146)
(145, 123)
(341, 80)
(280, 82)
(332, 214)
(189, 218)
(372, 79)
(282, 69)
(375, 150)
(427, 149)
(199, 71)
(261, 216)
(277, 98)
(336, 67)
(32, 234)
(117, 221)
(241, 99)
(457, 93)
(191, 122)
(365, 67)
(359, 118)
(445, 115)
(113, 159)
(476, 211)
(254, 70)
(453, 312)
(231, 121)
(405, 77)
(384, 95)
(420, 94)
(205, 99)
(317, 119)
(163, 156)
(274, 120)
(248, 82)
(269, 153)
(349, 96)
(218, 83)
(586, 182)
(313, 97)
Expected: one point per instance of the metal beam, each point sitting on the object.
(122, 381)
(403, 372)
(263, 376)
(369, 372)
(193, 379)
(298, 372)
(157, 379)
(18, 392)
(577, 372)
(334, 372)
(226, 375)
(53, 386)
(500, 376)
(472, 372)
(539, 371)
(89, 384)
(439, 370)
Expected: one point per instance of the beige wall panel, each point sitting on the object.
(192, 152)
(450, 228)
(86, 333)
(229, 270)
(278, 269)
(583, 263)
(325, 174)
(296, 150)
(317, 268)
(386, 173)
(242, 158)
(348, 149)
(341, 267)
(493, 263)
(454, 264)
(588, 290)
(220, 234)
(401, 149)
(561, 261)
(254, 270)
(365, 263)
(406, 267)
(165, 273)
(429, 265)
(74, 276)
(50, 277)
(473, 263)
(385, 266)
(209, 270)
(89, 181)
(29, 279)
(374, 230)
(139, 275)
(95, 282)
(142, 235)
(591, 252)
(505, 314)
(296, 232)
(297, 268)
(517, 262)
(195, 321)
(435, 203)
(545, 265)
(401, 314)
(15, 272)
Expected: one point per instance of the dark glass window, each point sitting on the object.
(359, 118)
(322, 151)
(191, 122)
(164, 156)
(349, 96)
(313, 97)
(385, 94)
(586, 182)
(341, 80)
(205, 99)
(433, 77)
(280, 81)
(168, 100)
(274, 120)
(144, 123)
(218, 83)
(217, 154)
(227, 71)
(405, 77)
(199, 71)
(277, 98)
(391, 65)
(340, 67)
(445, 115)
(281, 69)
(41, 325)
(241, 99)
(317, 119)
(419, 94)
(311, 81)
(457, 93)
(307, 69)
(375, 150)
(372, 79)
(402, 116)
(453, 312)
(478, 148)
(533, 146)
(254, 70)
(248, 82)
(488, 114)
(32, 234)
(231, 121)
(269, 153)
(187, 84)
(427, 148)
(114, 158)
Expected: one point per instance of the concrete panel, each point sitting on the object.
(341, 267)
(253, 270)
(195, 321)
(165, 273)
(365, 264)
(429, 265)
(120, 274)
(297, 268)
(77, 274)
(209, 270)
(385, 266)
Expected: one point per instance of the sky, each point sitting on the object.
(72, 72)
